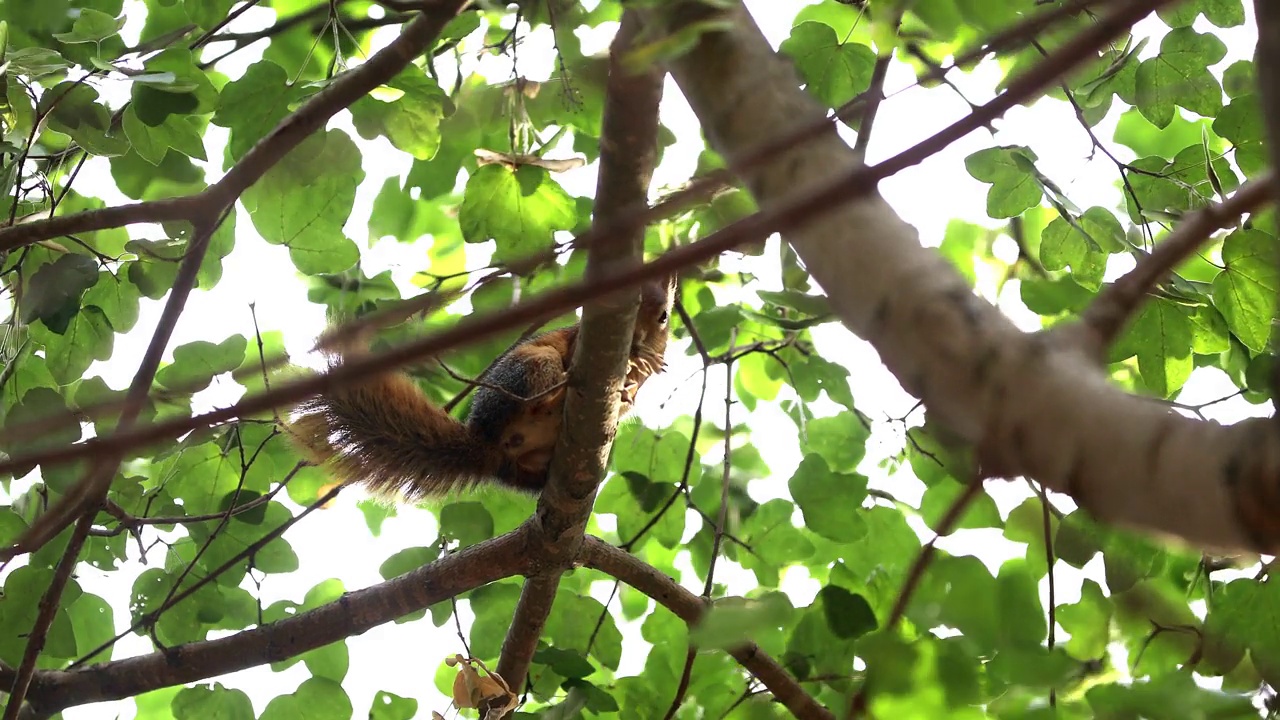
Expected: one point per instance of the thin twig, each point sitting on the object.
(1116, 304)
(48, 609)
(948, 522)
(690, 608)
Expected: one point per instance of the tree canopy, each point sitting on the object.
(1058, 528)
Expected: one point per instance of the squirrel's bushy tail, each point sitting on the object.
(384, 434)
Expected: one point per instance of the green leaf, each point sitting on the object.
(1023, 621)
(201, 702)
(117, 298)
(1088, 622)
(1161, 338)
(207, 13)
(776, 541)
(412, 121)
(73, 108)
(1209, 334)
(841, 440)
(1082, 244)
(829, 500)
(315, 699)
(93, 622)
(1241, 123)
(1180, 75)
(87, 337)
(848, 615)
(304, 201)
(172, 85)
(565, 663)
(816, 374)
(1157, 697)
(1245, 291)
(252, 105)
(197, 363)
(91, 26)
(940, 497)
(389, 706)
(153, 143)
(732, 621)
(567, 630)
(1013, 189)
(466, 522)
(56, 288)
(407, 560)
(1223, 13)
(832, 70)
(520, 210)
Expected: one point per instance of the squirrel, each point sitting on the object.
(383, 433)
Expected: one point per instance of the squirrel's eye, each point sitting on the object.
(662, 319)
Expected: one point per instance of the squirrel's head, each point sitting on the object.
(653, 324)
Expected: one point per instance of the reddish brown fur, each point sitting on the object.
(386, 435)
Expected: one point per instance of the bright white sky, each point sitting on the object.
(402, 659)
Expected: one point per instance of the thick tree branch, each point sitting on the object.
(689, 607)
(628, 154)
(352, 614)
(527, 623)
(1042, 407)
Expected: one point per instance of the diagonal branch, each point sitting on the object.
(354, 613)
(628, 154)
(1041, 407)
(689, 607)
(1118, 302)
(48, 609)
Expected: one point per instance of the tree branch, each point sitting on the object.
(628, 154)
(1041, 407)
(1116, 304)
(527, 623)
(354, 613)
(48, 609)
(689, 607)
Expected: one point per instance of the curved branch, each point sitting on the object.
(1039, 406)
(352, 614)
(689, 607)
